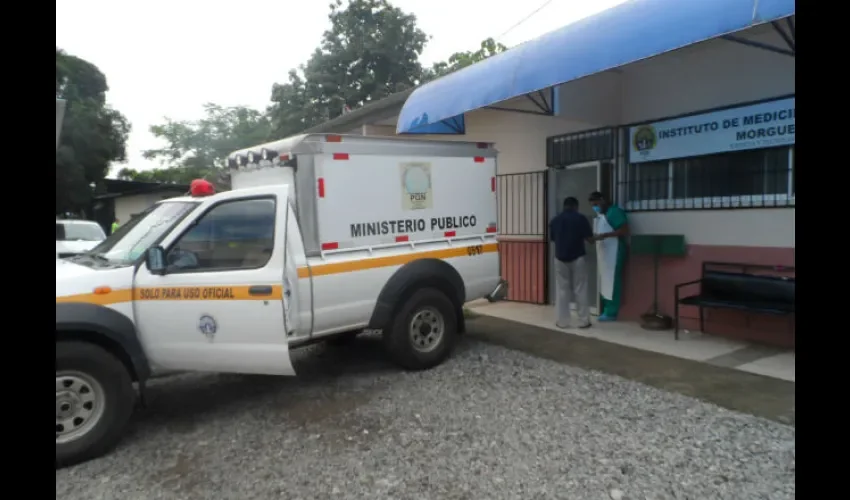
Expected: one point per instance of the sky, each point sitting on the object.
(167, 58)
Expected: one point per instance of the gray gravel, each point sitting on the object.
(489, 424)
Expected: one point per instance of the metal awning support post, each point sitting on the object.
(544, 105)
(453, 124)
(789, 37)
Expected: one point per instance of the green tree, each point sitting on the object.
(371, 50)
(93, 134)
(460, 60)
(197, 149)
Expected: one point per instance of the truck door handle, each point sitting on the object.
(260, 290)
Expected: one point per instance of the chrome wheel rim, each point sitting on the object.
(427, 328)
(79, 405)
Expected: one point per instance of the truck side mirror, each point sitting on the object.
(155, 260)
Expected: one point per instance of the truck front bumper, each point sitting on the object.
(498, 293)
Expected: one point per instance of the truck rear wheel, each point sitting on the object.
(94, 401)
(423, 332)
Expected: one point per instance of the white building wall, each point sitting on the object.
(752, 227)
(520, 138)
(593, 99)
(127, 206)
(708, 75)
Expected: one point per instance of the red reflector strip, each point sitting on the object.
(284, 157)
(492, 229)
(400, 239)
(493, 184)
(333, 138)
(450, 234)
(330, 246)
(340, 156)
(321, 187)
(479, 159)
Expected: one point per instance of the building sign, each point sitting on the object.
(763, 125)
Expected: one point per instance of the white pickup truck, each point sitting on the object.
(322, 237)
(76, 236)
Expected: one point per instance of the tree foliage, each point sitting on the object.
(370, 51)
(93, 134)
(460, 60)
(196, 149)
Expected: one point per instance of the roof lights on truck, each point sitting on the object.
(264, 157)
(236, 161)
(201, 187)
(268, 154)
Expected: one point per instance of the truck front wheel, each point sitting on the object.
(94, 401)
(423, 331)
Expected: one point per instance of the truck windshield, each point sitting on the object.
(131, 240)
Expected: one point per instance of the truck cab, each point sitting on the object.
(321, 238)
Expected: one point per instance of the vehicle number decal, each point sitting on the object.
(474, 250)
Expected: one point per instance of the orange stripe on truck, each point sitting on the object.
(211, 292)
(395, 260)
(207, 292)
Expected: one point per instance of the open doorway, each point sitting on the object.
(578, 180)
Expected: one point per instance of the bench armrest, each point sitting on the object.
(694, 282)
(682, 285)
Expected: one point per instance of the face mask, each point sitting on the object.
(597, 209)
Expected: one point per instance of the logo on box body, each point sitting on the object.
(416, 186)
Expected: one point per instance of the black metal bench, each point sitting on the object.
(741, 290)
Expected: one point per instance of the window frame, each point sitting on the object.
(176, 270)
(780, 200)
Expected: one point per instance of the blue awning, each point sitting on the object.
(629, 32)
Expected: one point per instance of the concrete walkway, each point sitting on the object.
(694, 346)
(730, 388)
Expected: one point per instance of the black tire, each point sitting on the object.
(398, 339)
(117, 394)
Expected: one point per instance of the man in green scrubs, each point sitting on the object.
(610, 232)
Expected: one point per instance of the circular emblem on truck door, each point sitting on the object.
(207, 326)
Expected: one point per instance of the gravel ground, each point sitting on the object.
(489, 424)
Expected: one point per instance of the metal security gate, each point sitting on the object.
(523, 235)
